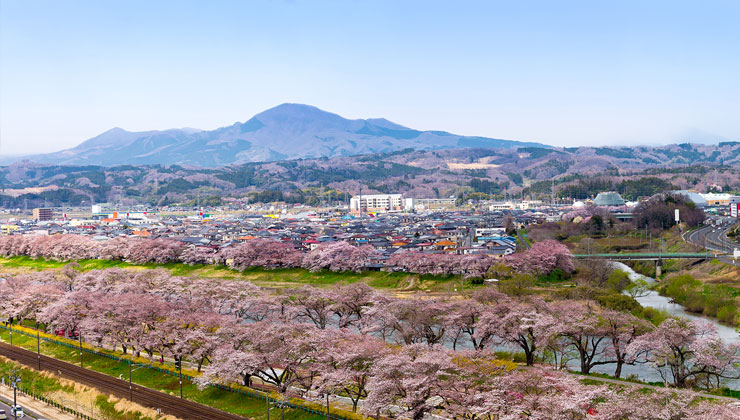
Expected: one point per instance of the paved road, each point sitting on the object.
(3, 406)
(169, 404)
(714, 239)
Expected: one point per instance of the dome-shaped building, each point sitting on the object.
(608, 199)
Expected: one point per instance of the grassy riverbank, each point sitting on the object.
(281, 277)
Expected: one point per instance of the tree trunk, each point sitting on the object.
(529, 355)
(618, 371)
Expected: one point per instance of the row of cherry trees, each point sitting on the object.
(408, 355)
(542, 258)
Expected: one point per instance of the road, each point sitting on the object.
(29, 413)
(714, 239)
(169, 404)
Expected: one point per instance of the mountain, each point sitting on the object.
(288, 131)
(577, 172)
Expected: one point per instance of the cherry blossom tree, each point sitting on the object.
(313, 304)
(662, 404)
(527, 325)
(339, 256)
(261, 253)
(410, 379)
(540, 394)
(542, 258)
(352, 301)
(408, 321)
(686, 352)
(462, 321)
(346, 365)
(581, 328)
(621, 329)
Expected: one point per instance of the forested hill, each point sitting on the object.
(574, 172)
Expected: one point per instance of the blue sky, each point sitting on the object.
(560, 72)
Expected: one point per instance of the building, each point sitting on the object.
(431, 203)
(376, 203)
(735, 207)
(717, 200)
(609, 199)
(499, 206)
(42, 214)
(693, 197)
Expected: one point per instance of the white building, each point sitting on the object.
(377, 202)
(501, 206)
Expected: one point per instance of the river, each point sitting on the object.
(654, 300)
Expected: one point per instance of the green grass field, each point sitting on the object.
(283, 277)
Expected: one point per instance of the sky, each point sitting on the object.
(564, 73)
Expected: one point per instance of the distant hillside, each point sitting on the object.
(288, 131)
(531, 171)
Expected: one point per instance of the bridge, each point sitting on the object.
(658, 257)
(655, 256)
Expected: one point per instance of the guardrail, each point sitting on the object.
(635, 255)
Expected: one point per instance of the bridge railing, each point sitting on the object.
(649, 255)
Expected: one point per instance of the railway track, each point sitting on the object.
(168, 404)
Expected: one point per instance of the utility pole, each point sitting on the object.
(130, 386)
(552, 193)
(38, 344)
(179, 364)
(327, 406)
(79, 334)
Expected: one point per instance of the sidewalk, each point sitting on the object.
(44, 410)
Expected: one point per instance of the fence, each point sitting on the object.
(241, 391)
(55, 404)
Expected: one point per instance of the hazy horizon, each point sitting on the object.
(565, 75)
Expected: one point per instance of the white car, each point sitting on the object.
(17, 411)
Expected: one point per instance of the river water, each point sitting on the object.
(654, 300)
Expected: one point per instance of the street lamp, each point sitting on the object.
(14, 380)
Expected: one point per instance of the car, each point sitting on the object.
(17, 411)
(3, 416)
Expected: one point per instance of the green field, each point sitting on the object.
(281, 277)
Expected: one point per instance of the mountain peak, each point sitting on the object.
(286, 131)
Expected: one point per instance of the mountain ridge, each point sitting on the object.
(286, 131)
